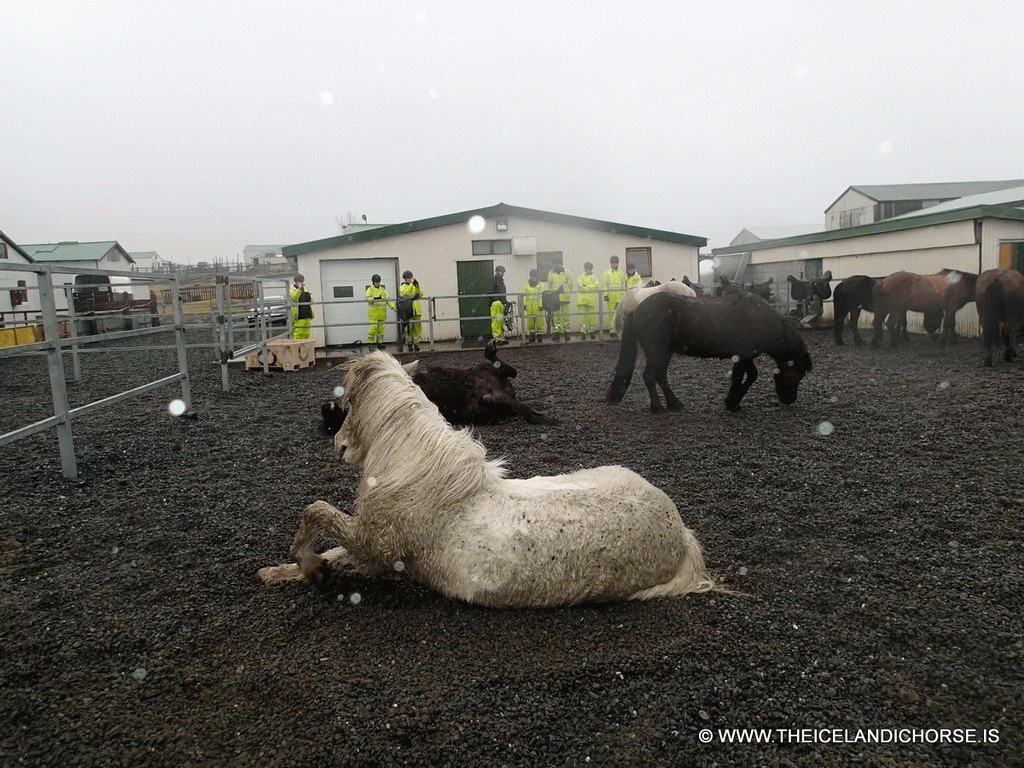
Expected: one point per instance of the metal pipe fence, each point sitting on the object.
(54, 345)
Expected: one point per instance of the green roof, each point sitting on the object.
(501, 209)
(886, 225)
(74, 251)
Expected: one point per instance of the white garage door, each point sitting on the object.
(344, 284)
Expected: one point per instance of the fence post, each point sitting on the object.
(222, 333)
(179, 337)
(76, 363)
(58, 386)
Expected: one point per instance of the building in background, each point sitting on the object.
(453, 257)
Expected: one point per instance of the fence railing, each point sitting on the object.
(54, 346)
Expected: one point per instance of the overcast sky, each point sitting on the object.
(195, 129)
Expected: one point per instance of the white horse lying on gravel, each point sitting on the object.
(631, 299)
(431, 504)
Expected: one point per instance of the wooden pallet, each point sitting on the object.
(283, 354)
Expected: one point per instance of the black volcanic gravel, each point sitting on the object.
(874, 530)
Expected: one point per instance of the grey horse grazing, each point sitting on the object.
(431, 500)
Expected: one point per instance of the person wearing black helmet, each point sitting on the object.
(411, 291)
(378, 300)
(302, 309)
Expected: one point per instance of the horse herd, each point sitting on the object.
(998, 294)
(430, 503)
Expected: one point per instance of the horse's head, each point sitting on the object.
(333, 417)
(789, 374)
(334, 414)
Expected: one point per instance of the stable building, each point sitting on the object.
(971, 233)
(453, 257)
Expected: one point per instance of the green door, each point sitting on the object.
(474, 278)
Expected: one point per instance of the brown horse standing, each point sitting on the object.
(1000, 299)
(946, 291)
(856, 293)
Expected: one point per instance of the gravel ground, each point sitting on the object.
(873, 530)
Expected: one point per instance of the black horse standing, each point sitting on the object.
(740, 326)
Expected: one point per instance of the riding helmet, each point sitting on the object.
(406, 274)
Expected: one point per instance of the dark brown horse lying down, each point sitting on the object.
(482, 394)
(740, 326)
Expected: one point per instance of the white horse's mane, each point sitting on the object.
(404, 447)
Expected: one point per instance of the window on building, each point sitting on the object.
(641, 257)
(547, 260)
(851, 218)
(19, 296)
(3, 250)
(492, 247)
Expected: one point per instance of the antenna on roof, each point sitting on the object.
(364, 218)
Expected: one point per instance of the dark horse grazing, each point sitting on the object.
(739, 326)
(482, 394)
(858, 292)
(944, 292)
(1000, 298)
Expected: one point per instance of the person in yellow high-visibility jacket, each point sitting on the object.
(378, 300)
(614, 285)
(410, 288)
(633, 280)
(559, 277)
(586, 300)
(302, 310)
(533, 305)
(499, 299)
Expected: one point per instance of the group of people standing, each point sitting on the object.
(613, 284)
(410, 312)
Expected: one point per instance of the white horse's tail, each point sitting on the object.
(692, 575)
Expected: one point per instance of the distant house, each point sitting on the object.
(264, 255)
(150, 261)
(869, 203)
(760, 234)
(17, 302)
(453, 257)
(107, 254)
